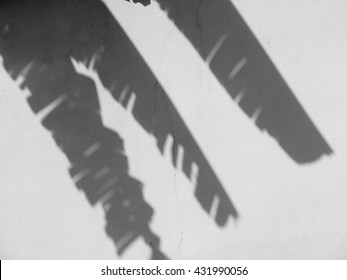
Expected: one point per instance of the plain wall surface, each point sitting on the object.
(287, 210)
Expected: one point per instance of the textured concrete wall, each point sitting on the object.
(288, 197)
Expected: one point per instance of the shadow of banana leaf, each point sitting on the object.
(125, 74)
(224, 41)
(38, 39)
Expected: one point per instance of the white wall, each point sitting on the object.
(286, 210)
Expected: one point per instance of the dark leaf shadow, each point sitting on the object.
(224, 41)
(38, 39)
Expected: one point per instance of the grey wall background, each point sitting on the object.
(287, 210)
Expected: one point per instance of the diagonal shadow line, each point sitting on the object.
(224, 41)
(37, 41)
